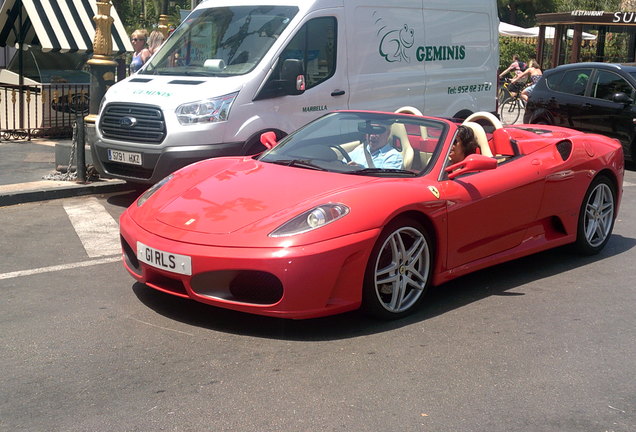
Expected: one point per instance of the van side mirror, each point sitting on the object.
(268, 139)
(621, 97)
(472, 163)
(292, 76)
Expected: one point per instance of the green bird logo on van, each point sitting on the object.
(394, 43)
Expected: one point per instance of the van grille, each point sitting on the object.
(131, 122)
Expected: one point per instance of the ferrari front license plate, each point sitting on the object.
(174, 263)
(124, 157)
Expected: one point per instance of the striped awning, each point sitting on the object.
(58, 25)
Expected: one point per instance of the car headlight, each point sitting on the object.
(311, 219)
(150, 192)
(206, 111)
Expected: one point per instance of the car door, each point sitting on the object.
(568, 99)
(491, 211)
(602, 114)
(319, 44)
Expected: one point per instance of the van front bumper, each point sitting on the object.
(156, 164)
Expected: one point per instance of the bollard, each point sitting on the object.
(80, 156)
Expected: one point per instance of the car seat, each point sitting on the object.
(400, 140)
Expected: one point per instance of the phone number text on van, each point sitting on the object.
(469, 88)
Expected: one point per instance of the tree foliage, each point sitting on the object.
(145, 13)
(523, 12)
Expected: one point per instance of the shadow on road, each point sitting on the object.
(125, 199)
(496, 281)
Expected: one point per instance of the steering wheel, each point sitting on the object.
(342, 151)
(484, 115)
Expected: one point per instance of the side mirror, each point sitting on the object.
(622, 98)
(268, 139)
(293, 77)
(472, 163)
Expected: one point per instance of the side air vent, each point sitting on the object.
(565, 149)
(186, 82)
(132, 122)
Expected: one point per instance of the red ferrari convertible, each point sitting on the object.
(317, 225)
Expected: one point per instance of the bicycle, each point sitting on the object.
(511, 104)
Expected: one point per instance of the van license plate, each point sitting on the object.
(174, 263)
(124, 157)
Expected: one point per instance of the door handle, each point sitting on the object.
(337, 93)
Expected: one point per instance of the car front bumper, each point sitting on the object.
(309, 281)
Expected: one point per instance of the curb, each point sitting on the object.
(49, 190)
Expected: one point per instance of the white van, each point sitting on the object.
(237, 68)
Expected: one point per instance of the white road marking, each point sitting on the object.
(60, 267)
(95, 227)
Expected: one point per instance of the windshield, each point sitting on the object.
(363, 143)
(223, 41)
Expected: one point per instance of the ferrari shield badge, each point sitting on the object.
(434, 191)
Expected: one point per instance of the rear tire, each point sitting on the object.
(399, 270)
(596, 217)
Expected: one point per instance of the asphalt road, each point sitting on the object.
(545, 343)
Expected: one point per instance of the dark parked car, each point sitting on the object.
(590, 97)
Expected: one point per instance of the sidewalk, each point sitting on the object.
(23, 166)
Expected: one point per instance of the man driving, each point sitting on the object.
(376, 150)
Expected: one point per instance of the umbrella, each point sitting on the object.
(506, 29)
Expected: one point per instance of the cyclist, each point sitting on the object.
(518, 68)
(515, 66)
(534, 74)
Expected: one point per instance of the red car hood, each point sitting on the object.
(234, 193)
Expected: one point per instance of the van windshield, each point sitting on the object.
(221, 41)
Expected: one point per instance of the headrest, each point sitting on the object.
(372, 127)
(480, 137)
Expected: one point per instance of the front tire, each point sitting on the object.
(399, 270)
(596, 217)
(510, 111)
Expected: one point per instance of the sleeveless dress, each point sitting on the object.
(136, 63)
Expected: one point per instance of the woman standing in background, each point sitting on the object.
(141, 54)
(154, 41)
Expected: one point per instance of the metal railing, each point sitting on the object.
(42, 110)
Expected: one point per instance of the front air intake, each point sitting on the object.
(243, 286)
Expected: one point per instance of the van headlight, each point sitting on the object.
(311, 219)
(207, 110)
